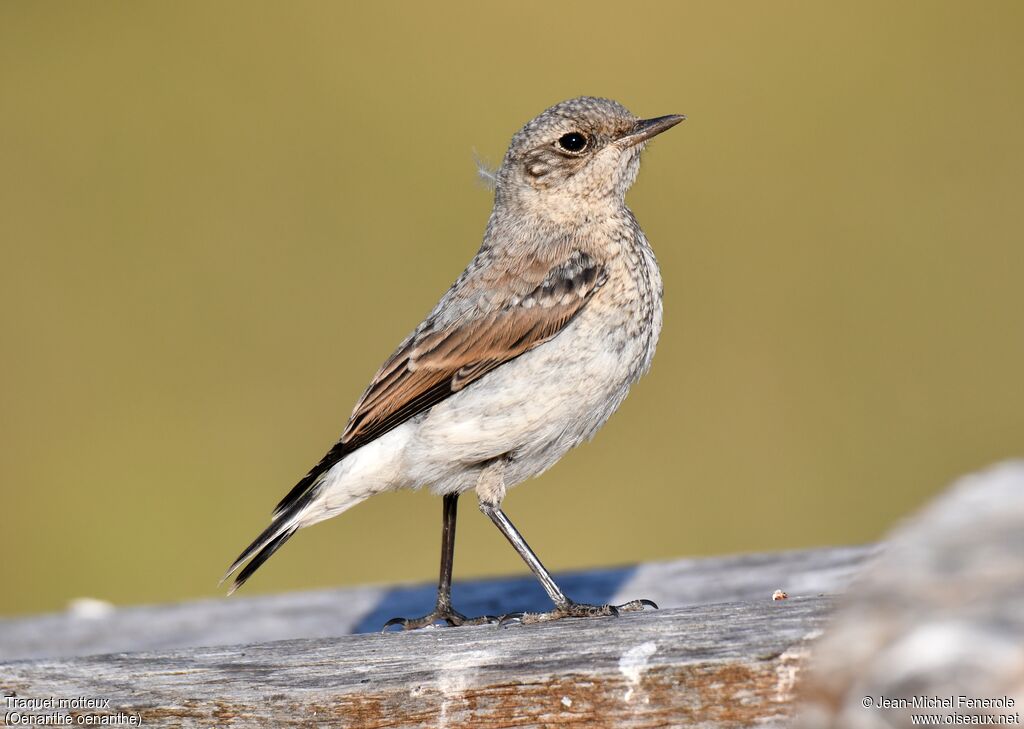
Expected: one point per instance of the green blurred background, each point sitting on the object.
(217, 219)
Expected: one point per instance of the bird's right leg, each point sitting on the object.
(443, 610)
(491, 491)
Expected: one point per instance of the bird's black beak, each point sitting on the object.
(647, 128)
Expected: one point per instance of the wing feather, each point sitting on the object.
(442, 358)
(459, 354)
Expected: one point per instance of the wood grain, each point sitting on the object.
(331, 613)
(724, 665)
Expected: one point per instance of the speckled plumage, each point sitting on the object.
(533, 347)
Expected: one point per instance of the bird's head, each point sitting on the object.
(579, 156)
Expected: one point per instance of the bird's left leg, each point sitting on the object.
(443, 610)
(491, 491)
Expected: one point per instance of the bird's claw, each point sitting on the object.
(578, 610)
(569, 610)
(511, 618)
(450, 617)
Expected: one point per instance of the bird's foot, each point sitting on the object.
(440, 615)
(578, 610)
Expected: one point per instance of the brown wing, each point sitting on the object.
(438, 361)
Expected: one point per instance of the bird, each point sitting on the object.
(526, 356)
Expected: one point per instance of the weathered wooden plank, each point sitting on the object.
(326, 613)
(940, 614)
(724, 665)
(937, 613)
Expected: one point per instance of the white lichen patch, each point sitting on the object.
(634, 663)
(455, 674)
(787, 671)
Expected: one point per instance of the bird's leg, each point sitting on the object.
(450, 509)
(443, 609)
(564, 607)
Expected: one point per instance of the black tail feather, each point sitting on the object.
(265, 537)
(269, 540)
(307, 483)
(262, 556)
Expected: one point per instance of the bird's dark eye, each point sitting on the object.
(573, 142)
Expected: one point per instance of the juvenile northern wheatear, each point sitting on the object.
(526, 356)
